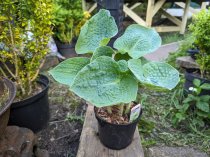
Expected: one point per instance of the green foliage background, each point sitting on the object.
(22, 56)
(68, 17)
(200, 29)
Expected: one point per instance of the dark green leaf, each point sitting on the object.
(202, 114)
(203, 106)
(205, 98)
(197, 82)
(205, 86)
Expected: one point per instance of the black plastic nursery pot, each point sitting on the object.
(5, 109)
(33, 112)
(189, 77)
(66, 49)
(193, 52)
(116, 136)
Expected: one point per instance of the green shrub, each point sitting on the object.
(25, 28)
(200, 29)
(68, 17)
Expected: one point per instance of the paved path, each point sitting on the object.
(163, 52)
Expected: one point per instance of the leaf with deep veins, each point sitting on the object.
(66, 71)
(138, 41)
(104, 84)
(155, 73)
(96, 32)
(123, 65)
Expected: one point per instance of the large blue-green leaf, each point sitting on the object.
(96, 32)
(138, 41)
(155, 73)
(136, 67)
(66, 71)
(103, 84)
(102, 51)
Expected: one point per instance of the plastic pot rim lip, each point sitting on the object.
(193, 50)
(135, 121)
(73, 41)
(37, 95)
(12, 93)
(187, 74)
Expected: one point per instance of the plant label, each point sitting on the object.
(135, 111)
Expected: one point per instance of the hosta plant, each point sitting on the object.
(111, 76)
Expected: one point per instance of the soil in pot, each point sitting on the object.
(115, 132)
(66, 49)
(189, 77)
(32, 112)
(7, 95)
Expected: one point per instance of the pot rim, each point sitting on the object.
(12, 93)
(25, 101)
(135, 121)
(187, 74)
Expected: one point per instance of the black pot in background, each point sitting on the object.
(66, 49)
(116, 10)
(189, 77)
(33, 112)
(116, 136)
(192, 53)
(5, 109)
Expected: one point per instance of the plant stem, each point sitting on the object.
(37, 72)
(128, 107)
(84, 6)
(121, 109)
(109, 109)
(2, 71)
(113, 55)
(29, 86)
(10, 72)
(13, 48)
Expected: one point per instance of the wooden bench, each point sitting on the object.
(155, 6)
(90, 146)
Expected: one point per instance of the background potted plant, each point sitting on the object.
(193, 50)
(109, 79)
(200, 29)
(7, 95)
(68, 17)
(25, 28)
